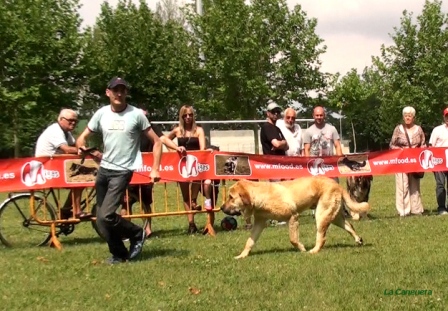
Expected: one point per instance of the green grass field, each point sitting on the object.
(181, 272)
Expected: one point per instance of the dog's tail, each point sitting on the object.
(353, 205)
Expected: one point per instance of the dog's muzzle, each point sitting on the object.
(229, 212)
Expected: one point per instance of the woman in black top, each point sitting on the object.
(192, 137)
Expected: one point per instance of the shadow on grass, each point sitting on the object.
(89, 240)
(372, 217)
(163, 233)
(308, 248)
(149, 254)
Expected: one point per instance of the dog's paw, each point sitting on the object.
(355, 216)
(313, 251)
(299, 246)
(360, 242)
(240, 257)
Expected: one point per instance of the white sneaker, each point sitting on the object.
(208, 205)
(281, 223)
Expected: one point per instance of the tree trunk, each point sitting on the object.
(16, 137)
(354, 136)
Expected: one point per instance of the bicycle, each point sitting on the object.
(38, 220)
(16, 210)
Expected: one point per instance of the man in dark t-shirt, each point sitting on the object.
(272, 140)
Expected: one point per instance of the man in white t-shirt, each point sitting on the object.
(58, 139)
(439, 138)
(292, 132)
(293, 135)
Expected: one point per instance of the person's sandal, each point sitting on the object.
(83, 216)
(192, 229)
(195, 206)
(66, 213)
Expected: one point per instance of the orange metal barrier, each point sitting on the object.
(50, 210)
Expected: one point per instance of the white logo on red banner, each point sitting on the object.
(428, 160)
(189, 166)
(317, 167)
(34, 173)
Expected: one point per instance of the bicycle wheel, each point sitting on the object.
(18, 227)
(141, 222)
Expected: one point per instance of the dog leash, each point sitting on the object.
(88, 151)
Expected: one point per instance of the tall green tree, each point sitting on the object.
(414, 70)
(169, 10)
(356, 97)
(253, 52)
(40, 46)
(152, 55)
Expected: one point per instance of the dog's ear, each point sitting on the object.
(243, 193)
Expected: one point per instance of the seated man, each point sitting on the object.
(58, 139)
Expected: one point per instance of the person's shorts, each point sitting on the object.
(134, 194)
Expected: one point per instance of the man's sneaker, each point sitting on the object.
(115, 260)
(281, 223)
(136, 246)
(208, 205)
(443, 213)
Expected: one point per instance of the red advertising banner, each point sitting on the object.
(67, 171)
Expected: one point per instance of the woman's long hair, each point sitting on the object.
(184, 110)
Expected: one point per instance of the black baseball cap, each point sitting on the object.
(117, 81)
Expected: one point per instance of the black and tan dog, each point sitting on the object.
(359, 189)
(353, 165)
(79, 169)
(285, 200)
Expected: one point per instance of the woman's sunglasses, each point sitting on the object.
(187, 115)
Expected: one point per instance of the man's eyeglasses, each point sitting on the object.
(187, 115)
(290, 118)
(275, 111)
(71, 120)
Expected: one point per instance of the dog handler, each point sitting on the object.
(120, 125)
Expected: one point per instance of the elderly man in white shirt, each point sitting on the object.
(292, 132)
(293, 135)
(58, 139)
(439, 138)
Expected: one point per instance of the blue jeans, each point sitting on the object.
(110, 188)
(441, 178)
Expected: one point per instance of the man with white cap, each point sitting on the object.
(439, 138)
(272, 140)
(271, 137)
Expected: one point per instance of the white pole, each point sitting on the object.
(199, 7)
(340, 125)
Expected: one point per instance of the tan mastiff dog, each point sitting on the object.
(284, 201)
